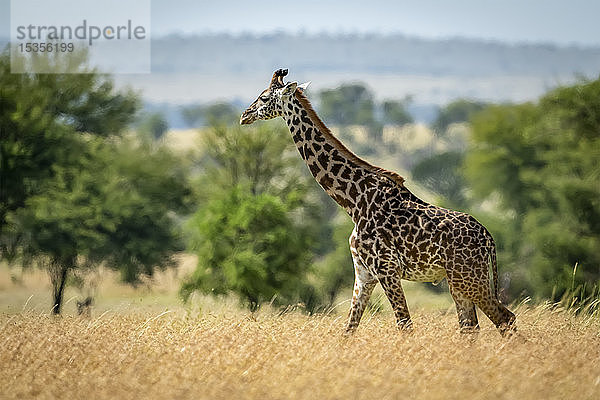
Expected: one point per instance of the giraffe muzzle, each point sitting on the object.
(247, 117)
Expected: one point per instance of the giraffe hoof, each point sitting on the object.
(405, 325)
(349, 332)
(507, 330)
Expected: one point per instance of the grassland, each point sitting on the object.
(135, 348)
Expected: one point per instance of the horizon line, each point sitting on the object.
(258, 34)
(366, 33)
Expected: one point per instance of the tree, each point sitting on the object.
(395, 112)
(541, 162)
(114, 209)
(349, 104)
(192, 115)
(251, 245)
(442, 174)
(335, 272)
(75, 192)
(457, 111)
(40, 118)
(220, 113)
(261, 159)
(255, 230)
(153, 125)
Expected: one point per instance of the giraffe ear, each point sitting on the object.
(289, 89)
(304, 85)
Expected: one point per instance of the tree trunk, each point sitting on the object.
(58, 275)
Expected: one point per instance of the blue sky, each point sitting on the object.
(552, 21)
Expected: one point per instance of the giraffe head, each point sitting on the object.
(270, 102)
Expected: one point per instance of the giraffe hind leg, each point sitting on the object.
(501, 316)
(467, 314)
(476, 288)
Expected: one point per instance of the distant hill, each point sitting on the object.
(373, 54)
(188, 69)
(207, 68)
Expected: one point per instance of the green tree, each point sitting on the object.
(256, 228)
(442, 174)
(262, 159)
(540, 161)
(349, 104)
(40, 118)
(220, 113)
(153, 125)
(335, 272)
(456, 111)
(192, 115)
(113, 209)
(75, 193)
(395, 112)
(250, 245)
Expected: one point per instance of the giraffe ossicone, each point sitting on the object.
(396, 234)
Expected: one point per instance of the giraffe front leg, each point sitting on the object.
(392, 286)
(364, 282)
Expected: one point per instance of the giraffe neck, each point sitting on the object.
(343, 175)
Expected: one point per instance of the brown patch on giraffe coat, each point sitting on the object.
(326, 181)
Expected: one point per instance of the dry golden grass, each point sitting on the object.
(235, 355)
(215, 350)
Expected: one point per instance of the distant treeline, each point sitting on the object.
(372, 53)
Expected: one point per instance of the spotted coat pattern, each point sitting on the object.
(396, 235)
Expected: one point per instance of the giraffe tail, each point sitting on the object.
(493, 265)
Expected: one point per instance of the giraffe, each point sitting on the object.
(396, 235)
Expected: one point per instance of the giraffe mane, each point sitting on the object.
(335, 142)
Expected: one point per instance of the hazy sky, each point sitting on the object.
(553, 21)
(557, 21)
